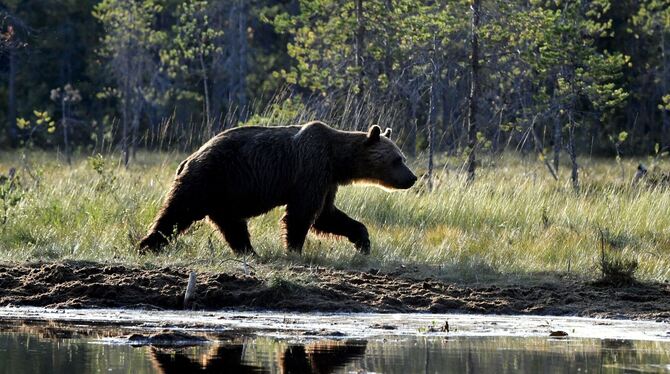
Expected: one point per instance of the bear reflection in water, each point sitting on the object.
(318, 357)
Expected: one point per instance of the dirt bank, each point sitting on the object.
(91, 285)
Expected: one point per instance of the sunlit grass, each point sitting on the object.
(515, 220)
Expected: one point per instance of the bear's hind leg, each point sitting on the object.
(236, 234)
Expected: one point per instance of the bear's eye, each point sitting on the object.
(397, 161)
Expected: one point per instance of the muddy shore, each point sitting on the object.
(91, 285)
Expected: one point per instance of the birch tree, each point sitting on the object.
(128, 46)
(193, 43)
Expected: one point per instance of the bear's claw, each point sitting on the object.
(152, 243)
(246, 252)
(363, 246)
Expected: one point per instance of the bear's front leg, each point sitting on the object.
(336, 222)
(179, 211)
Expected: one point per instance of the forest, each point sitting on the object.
(536, 134)
(539, 131)
(551, 78)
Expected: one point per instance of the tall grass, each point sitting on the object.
(514, 220)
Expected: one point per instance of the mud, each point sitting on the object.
(92, 285)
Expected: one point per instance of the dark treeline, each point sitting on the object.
(551, 77)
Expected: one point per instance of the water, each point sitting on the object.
(48, 347)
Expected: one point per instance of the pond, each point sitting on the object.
(264, 343)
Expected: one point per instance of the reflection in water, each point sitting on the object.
(53, 349)
(224, 359)
(321, 357)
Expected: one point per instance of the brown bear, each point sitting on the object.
(247, 171)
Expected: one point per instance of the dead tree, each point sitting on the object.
(474, 89)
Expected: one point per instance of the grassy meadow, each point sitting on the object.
(515, 221)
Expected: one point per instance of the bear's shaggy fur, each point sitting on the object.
(247, 171)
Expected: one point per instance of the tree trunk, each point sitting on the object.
(665, 121)
(410, 140)
(358, 61)
(65, 130)
(388, 48)
(12, 133)
(217, 73)
(573, 155)
(360, 33)
(474, 90)
(218, 94)
(124, 125)
(558, 142)
(231, 66)
(451, 134)
(135, 128)
(100, 129)
(205, 85)
(124, 136)
(540, 150)
(432, 117)
(242, 101)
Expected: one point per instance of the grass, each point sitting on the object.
(615, 269)
(514, 221)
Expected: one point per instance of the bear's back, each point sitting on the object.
(248, 169)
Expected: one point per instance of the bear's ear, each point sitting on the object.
(387, 133)
(373, 134)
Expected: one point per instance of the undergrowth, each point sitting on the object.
(514, 220)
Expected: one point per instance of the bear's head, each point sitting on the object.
(383, 163)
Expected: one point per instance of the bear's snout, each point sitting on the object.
(409, 182)
(405, 180)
